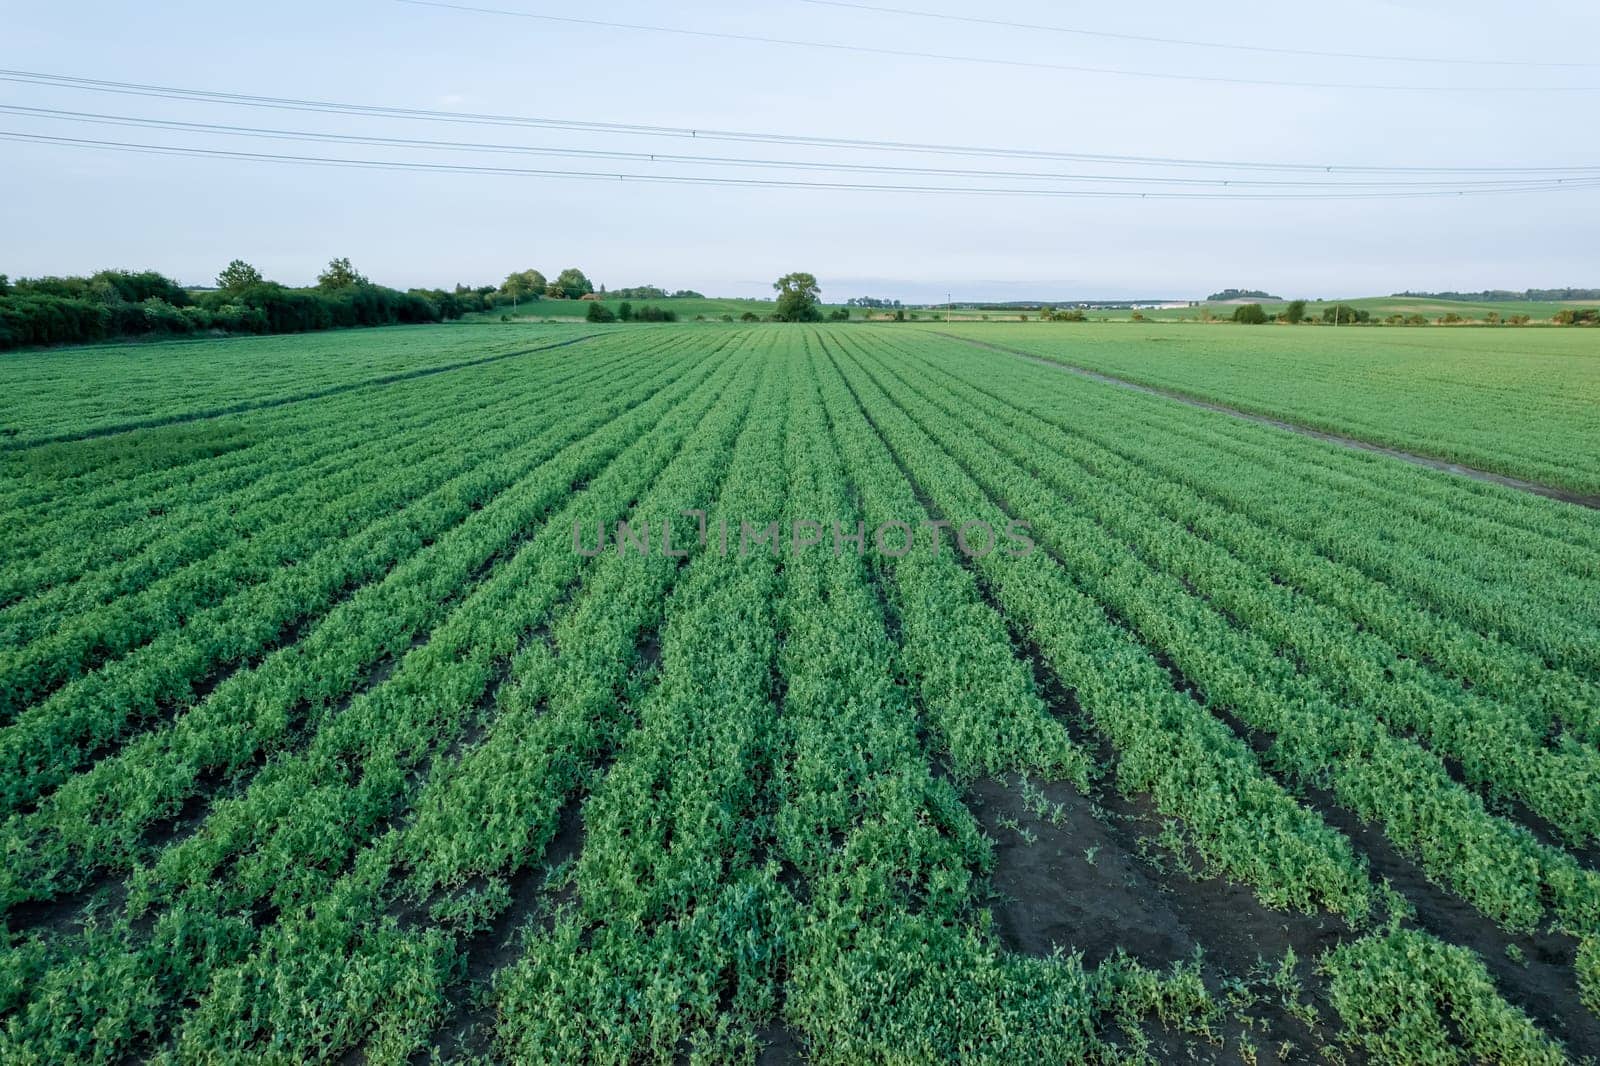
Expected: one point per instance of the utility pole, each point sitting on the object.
(947, 308)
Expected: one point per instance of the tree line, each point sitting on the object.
(113, 304)
(1505, 295)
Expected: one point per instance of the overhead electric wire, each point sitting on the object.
(735, 136)
(233, 130)
(1140, 38)
(756, 183)
(1026, 64)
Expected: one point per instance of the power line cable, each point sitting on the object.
(1229, 46)
(758, 183)
(1025, 64)
(1528, 184)
(735, 136)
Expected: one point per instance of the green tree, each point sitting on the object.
(625, 311)
(798, 298)
(599, 312)
(340, 275)
(1250, 315)
(570, 284)
(238, 275)
(524, 285)
(1344, 315)
(1295, 313)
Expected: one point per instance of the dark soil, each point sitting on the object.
(1049, 894)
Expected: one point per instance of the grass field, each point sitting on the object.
(332, 729)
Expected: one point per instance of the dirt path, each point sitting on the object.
(1549, 491)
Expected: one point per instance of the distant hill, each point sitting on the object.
(1240, 294)
(1506, 295)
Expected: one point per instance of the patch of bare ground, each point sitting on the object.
(779, 1047)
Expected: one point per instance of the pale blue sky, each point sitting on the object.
(66, 209)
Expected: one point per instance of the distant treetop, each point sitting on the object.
(1241, 294)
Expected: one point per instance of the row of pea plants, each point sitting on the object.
(892, 957)
(1497, 748)
(675, 934)
(1270, 519)
(273, 851)
(98, 818)
(332, 448)
(1192, 766)
(1494, 864)
(292, 526)
(479, 819)
(979, 697)
(52, 738)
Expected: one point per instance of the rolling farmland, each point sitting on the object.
(357, 703)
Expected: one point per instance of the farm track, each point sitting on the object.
(1432, 463)
(1214, 773)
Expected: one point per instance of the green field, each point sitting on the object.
(340, 720)
(1525, 403)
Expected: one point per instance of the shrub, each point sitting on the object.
(1344, 314)
(1295, 313)
(1250, 315)
(599, 312)
(749, 316)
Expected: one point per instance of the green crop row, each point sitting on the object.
(1497, 747)
(1497, 866)
(279, 845)
(478, 818)
(290, 529)
(54, 736)
(83, 568)
(98, 818)
(1256, 516)
(674, 934)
